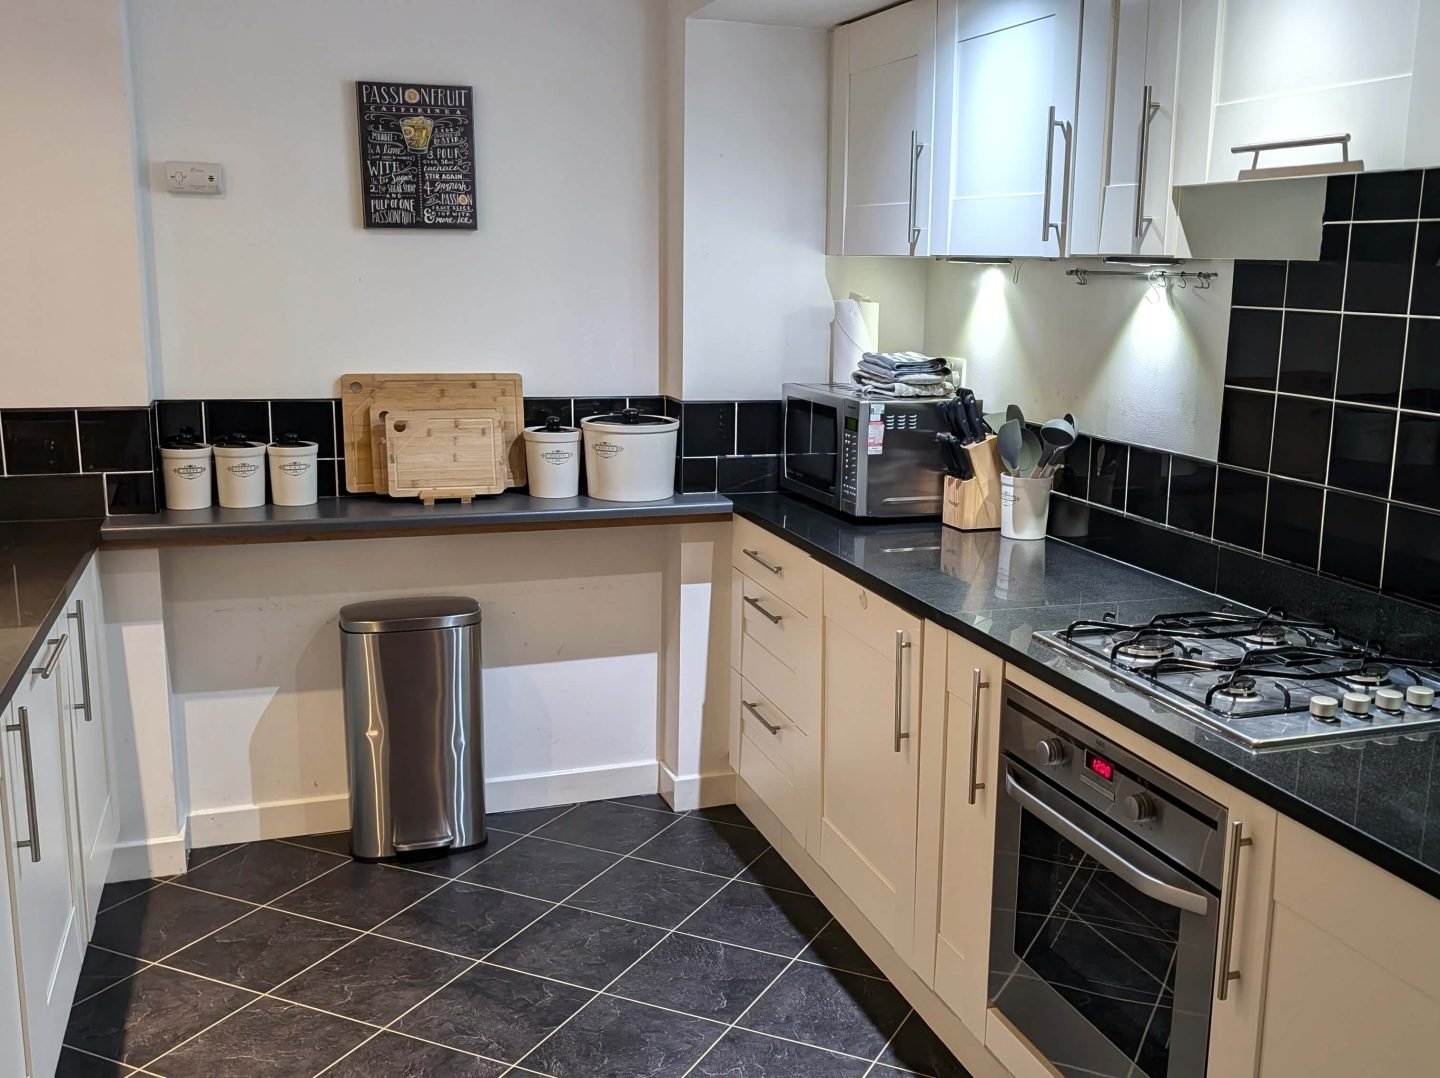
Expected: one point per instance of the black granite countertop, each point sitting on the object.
(339, 518)
(1378, 798)
(39, 564)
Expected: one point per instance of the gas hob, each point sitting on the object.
(1265, 680)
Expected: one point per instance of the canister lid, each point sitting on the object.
(234, 441)
(409, 614)
(184, 438)
(552, 425)
(291, 440)
(631, 421)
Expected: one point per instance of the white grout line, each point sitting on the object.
(888, 1042)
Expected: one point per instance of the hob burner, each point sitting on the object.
(1267, 636)
(1238, 688)
(1145, 650)
(1369, 677)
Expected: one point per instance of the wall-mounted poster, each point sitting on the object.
(417, 155)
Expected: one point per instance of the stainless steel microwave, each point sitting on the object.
(864, 456)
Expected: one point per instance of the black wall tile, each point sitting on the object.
(130, 493)
(1417, 461)
(707, 429)
(1292, 522)
(539, 409)
(653, 405)
(1361, 449)
(1320, 285)
(1412, 556)
(250, 418)
(40, 442)
(748, 475)
(1147, 485)
(52, 497)
(672, 408)
(1181, 557)
(584, 407)
(1430, 197)
(1421, 387)
(1387, 196)
(1109, 469)
(1339, 198)
(1426, 297)
(1073, 476)
(1353, 537)
(1259, 284)
(115, 439)
(341, 491)
(1246, 422)
(1307, 356)
(695, 475)
(1372, 351)
(1192, 495)
(1240, 508)
(1302, 438)
(1381, 257)
(173, 416)
(312, 420)
(1252, 356)
(758, 427)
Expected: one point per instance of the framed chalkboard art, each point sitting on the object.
(417, 155)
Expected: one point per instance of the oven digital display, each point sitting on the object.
(852, 424)
(1100, 767)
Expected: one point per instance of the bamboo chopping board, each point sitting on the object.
(444, 453)
(421, 392)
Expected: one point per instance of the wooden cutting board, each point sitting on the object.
(444, 453)
(423, 392)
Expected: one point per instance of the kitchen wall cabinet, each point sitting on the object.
(881, 132)
(869, 755)
(1005, 133)
(12, 1027)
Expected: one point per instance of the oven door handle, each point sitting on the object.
(1134, 875)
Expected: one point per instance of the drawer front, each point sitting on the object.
(786, 633)
(796, 693)
(769, 727)
(770, 785)
(870, 618)
(789, 574)
(962, 660)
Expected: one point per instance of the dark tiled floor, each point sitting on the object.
(605, 939)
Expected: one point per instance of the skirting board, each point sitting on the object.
(968, 1050)
(686, 792)
(149, 858)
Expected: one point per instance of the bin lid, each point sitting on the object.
(409, 614)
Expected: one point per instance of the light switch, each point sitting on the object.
(194, 178)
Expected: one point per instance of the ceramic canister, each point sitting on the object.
(185, 460)
(294, 470)
(239, 471)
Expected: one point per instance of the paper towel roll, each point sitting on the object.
(855, 331)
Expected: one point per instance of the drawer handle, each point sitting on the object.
(774, 619)
(27, 758)
(1232, 889)
(78, 617)
(755, 711)
(49, 667)
(755, 554)
(975, 686)
(901, 646)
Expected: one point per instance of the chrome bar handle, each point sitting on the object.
(78, 617)
(916, 149)
(1232, 892)
(755, 711)
(755, 554)
(27, 758)
(975, 686)
(1257, 148)
(49, 667)
(774, 619)
(1062, 233)
(1045, 224)
(901, 646)
(1066, 130)
(1148, 108)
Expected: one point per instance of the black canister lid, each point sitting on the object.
(233, 441)
(184, 438)
(632, 417)
(291, 440)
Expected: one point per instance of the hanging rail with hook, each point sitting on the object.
(1202, 278)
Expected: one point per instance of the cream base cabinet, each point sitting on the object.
(12, 1025)
(869, 755)
(882, 104)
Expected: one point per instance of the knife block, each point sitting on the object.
(974, 504)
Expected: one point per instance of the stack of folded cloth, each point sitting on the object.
(903, 374)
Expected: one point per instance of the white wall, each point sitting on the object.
(71, 321)
(897, 284)
(276, 289)
(756, 304)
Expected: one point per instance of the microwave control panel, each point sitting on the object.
(849, 462)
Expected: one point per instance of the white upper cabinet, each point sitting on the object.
(1128, 86)
(882, 120)
(1005, 126)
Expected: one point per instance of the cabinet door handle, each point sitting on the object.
(755, 554)
(901, 647)
(774, 619)
(49, 667)
(755, 711)
(1232, 891)
(1066, 130)
(975, 686)
(1045, 225)
(916, 149)
(22, 727)
(1148, 108)
(78, 617)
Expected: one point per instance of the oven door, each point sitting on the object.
(812, 461)
(1101, 951)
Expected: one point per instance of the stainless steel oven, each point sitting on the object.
(864, 456)
(1107, 883)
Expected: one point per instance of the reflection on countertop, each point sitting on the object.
(39, 563)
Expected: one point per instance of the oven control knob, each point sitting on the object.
(1357, 703)
(1324, 708)
(1420, 696)
(1051, 752)
(1391, 700)
(1140, 807)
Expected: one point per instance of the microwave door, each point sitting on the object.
(907, 478)
(812, 459)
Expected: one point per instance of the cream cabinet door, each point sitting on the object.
(870, 737)
(881, 145)
(12, 1025)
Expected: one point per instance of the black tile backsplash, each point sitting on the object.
(1253, 354)
(1353, 537)
(312, 420)
(40, 442)
(1292, 522)
(707, 428)
(133, 493)
(1377, 277)
(1247, 423)
(1192, 495)
(1240, 508)
(695, 475)
(1412, 556)
(52, 497)
(1372, 355)
(1417, 461)
(1310, 344)
(585, 407)
(115, 439)
(1387, 196)
(1147, 485)
(540, 409)
(1109, 470)
(1425, 297)
(1259, 284)
(748, 475)
(171, 417)
(758, 427)
(1302, 438)
(1420, 387)
(1362, 449)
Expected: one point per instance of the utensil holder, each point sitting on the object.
(974, 504)
(1024, 507)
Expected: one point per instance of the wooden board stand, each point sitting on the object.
(974, 504)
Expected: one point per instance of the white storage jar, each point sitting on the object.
(552, 460)
(294, 470)
(630, 457)
(239, 471)
(185, 460)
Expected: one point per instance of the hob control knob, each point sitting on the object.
(1051, 752)
(1324, 707)
(1357, 703)
(1390, 700)
(1140, 807)
(1420, 696)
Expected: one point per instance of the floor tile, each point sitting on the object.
(647, 801)
(262, 949)
(268, 1039)
(613, 1038)
(835, 948)
(711, 847)
(742, 1054)
(778, 921)
(373, 980)
(830, 1009)
(494, 1012)
(464, 920)
(359, 895)
(101, 969)
(657, 894)
(152, 1012)
(116, 893)
(197, 857)
(451, 865)
(523, 821)
(390, 1055)
(772, 871)
(603, 825)
(578, 947)
(331, 842)
(916, 1050)
(540, 869)
(164, 920)
(75, 1064)
(261, 871)
(724, 814)
(700, 977)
